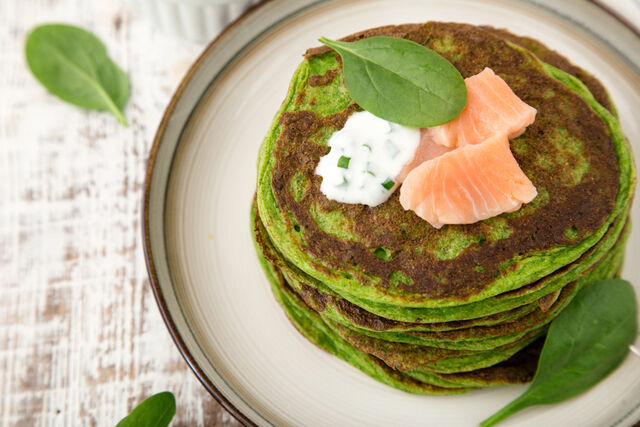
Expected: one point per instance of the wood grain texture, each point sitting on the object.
(81, 338)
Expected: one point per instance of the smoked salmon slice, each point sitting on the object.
(427, 150)
(466, 185)
(492, 108)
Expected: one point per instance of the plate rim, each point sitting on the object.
(154, 282)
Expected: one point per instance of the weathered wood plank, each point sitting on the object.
(81, 339)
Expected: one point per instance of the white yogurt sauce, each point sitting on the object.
(366, 155)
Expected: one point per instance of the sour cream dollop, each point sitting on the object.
(366, 156)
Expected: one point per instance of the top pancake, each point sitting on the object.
(390, 255)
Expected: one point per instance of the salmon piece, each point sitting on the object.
(492, 108)
(466, 185)
(427, 149)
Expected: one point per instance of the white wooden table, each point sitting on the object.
(81, 339)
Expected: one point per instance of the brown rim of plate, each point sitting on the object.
(153, 279)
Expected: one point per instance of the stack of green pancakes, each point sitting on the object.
(444, 311)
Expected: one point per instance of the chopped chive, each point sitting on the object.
(388, 184)
(345, 183)
(343, 162)
(367, 145)
(371, 173)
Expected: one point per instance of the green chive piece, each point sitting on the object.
(345, 183)
(388, 184)
(371, 173)
(368, 146)
(343, 162)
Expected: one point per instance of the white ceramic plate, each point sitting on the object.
(207, 280)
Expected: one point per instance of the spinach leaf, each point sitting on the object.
(585, 343)
(73, 65)
(401, 81)
(154, 411)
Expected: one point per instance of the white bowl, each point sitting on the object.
(196, 20)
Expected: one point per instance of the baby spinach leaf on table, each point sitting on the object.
(154, 411)
(73, 65)
(585, 343)
(401, 81)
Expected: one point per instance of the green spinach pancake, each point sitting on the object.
(442, 311)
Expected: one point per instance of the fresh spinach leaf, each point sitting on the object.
(401, 81)
(73, 65)
(585, 343)
(154, 411)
